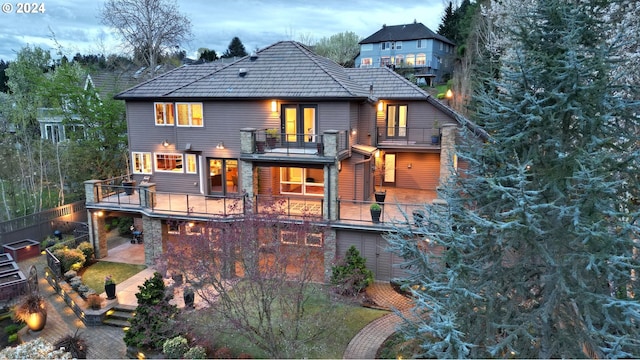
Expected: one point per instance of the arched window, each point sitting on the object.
(421, 60)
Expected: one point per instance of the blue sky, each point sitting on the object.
(76, 27)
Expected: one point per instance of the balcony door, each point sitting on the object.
(397, 121)
(300, 123)
(223, 176)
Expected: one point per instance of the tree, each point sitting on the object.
(534, 255)
(341, 48)
(148, 27)
(235, 49)
(448, 23)
(207, 55)
(3, 76)
(257, 278)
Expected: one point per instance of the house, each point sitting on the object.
(413, 46)
(281, 123)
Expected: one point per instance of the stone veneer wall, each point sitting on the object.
(447, 152)
(330, 247)
(154, 230)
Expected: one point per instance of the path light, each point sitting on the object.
(449, 96)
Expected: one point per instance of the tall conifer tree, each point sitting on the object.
(535, 255)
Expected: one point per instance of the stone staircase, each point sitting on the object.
(119, 316)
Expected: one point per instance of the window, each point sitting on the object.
(366, 62)
(164, 114)
(399, 60)
(302, 181)
(141, 163)
(385, 45)
(189, 114)
(421, 59)
(441, 46)
(292, 238)
(411, 60)
(398, 45)
(192, 164)
(385, 61)
(422, 43)
(397, 121)
(169, 162)
(314, 239)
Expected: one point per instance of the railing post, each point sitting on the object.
(147, 195)
(93, 191)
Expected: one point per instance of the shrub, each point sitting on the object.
(175, 348)
(196, 352)
(350, 275)
(75, 345)
(13, 328)
(87, 250)
(124, 225)
(76, 267)
(223, 353)
(154, 320)
(68, 257)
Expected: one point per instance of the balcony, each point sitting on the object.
(273, 142)
(416, 138)
(398, 207)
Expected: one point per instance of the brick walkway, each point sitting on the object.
(366, 343)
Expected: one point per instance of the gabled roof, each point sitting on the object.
(385, 83)
(405, 32)
(284, 70)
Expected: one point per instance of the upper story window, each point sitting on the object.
(169, 162)
(441, 46)
(366, 47)
(390, 45)
(189, 114)
(398, 45)
(385, 45)
(141, 162)
(164, 114)
(422, 43)
(366, 62)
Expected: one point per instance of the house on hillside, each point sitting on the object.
(283, 123)
(412, 46)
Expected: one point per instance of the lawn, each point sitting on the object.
(93, 276)
(346, 319)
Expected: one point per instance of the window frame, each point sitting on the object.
(421, 43)
(189, 114)
(191, 160)
(134, 154)
(164, 113)
(180, 168)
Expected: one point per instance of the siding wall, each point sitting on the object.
(423, 174)
(371, 246)
(419, 115)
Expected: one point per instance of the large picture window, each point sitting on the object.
(189, 114)
(169, 162)
(421, 59)
(141, 162)
(301, 181)
(164, 114)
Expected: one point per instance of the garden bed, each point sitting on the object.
(23, 249)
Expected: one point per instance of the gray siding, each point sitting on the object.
(423, 174)
(372, 247)
(419, 115)
(352, 179)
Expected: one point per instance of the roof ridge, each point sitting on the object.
(314, 57)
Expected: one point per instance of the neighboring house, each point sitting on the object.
(413, 46)
(283, 123)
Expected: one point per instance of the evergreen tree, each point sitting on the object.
(535, 254)
(3, 77)
(235, 49)
(208, 55)
(447, 27)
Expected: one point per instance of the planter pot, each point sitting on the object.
(260, 147)
(189, 298)
(36, 321)
(177, 279)
(271, 142)
(435, 139)
(375, 215)
(110, 289)
(128, 187)
(380, 195)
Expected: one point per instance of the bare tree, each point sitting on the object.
(257, 277)
(149, 27)
(341, 48)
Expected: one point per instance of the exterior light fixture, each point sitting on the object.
(100, 214)
(274, 106)
(449, 96)
(220, 146)
(380, 106)
(354, 131)
(165, 143)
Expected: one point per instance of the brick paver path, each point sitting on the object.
(366, 343)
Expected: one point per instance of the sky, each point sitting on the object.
(75, 26)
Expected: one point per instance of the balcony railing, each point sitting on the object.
(273, 142)
(408, 136)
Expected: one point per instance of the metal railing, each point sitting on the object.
(408, 136)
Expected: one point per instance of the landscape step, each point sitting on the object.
(116, 322)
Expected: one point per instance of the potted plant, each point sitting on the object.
(376, 210)
(110, 287)
(260, 146)
(273, 135)
(33, 311)
(128, 183)
(189, 296)
(435, 133)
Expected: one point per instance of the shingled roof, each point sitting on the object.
(404, 32)
(386, 84)
(284, 70)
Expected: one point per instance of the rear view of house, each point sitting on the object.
(287, 124)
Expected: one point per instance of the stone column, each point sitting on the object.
(147, 195)
(447, 152)
(329, 253)
(247, 140)
(98, 233)
(92, 192)
(155, 235)
(330, 207)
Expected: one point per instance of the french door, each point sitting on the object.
(223, 176)
(299, 123)
(397, 121)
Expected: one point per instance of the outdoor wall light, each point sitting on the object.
(220, 146)
(165, 143)
(274, 106)
(380, 106)
(100, 214)
(354, 131)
